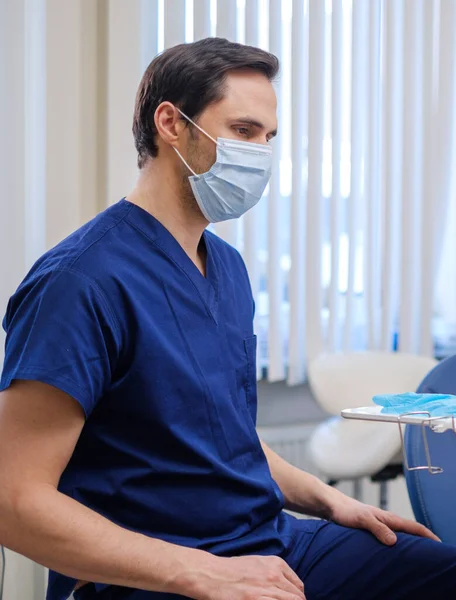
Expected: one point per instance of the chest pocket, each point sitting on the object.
(246, 379)
(242, 437)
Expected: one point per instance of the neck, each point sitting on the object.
(160, 192)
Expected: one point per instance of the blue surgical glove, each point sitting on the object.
(437, 405)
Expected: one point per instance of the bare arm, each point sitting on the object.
(307, 494)
(39, 428)
(303, 492)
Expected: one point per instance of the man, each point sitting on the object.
(130, 464)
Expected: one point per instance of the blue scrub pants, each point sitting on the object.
(337, 563)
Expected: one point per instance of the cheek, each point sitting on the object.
(202, 158)
(211, 157)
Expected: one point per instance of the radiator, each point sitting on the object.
(290, 442)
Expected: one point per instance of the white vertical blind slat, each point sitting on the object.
(89, 30)
(413, 164)
(123, 76)
(251, 219)
(149, 31)
(227, 28)
(35, 129)
(392, 166)
(276, 370)
(336, 139)
(174, 22)
(227, 20)
(314, 298)
(372, 182)
(299, 108)
(358, 119)
(70, 159)
(430, 177)
(201, 19)
(252, 24)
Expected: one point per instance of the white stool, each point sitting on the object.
(349, 450)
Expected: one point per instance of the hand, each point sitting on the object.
(252, 578)
(382, 524)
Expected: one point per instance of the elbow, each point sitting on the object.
(18, 505)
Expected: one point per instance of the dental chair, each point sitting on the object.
(342, 449)
(433, 497)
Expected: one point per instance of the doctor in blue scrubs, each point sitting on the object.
(130, 464)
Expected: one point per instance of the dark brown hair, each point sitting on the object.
(191, 76)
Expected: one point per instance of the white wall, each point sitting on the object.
(24, 580)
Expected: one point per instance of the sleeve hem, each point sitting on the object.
(62, 383)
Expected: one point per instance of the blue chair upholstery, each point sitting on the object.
(433, 497)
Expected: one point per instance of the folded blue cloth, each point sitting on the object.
(437, 405)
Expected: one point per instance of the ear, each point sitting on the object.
(169, 123)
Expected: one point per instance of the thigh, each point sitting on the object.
(349, 564)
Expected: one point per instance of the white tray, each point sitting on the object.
(374, 413)
(436, 424)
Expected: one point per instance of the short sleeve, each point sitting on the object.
(61, 330)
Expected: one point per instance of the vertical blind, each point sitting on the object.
(345, 249)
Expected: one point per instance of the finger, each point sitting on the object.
(282, 596)
(287, 597)
(287, 586)
(407, 526)
(381, 531)
(292, 577)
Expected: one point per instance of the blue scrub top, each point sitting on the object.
(162, 361)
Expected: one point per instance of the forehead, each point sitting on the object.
(248, 92)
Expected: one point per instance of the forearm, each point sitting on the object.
(60, 533)
(304, 493)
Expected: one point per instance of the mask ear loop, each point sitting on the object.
(185, 162)
(197, 126)
(202, 131)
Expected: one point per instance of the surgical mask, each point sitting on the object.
(235, 182)
(435, 404)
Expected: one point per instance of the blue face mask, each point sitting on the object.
(235, 182)
(436, 405)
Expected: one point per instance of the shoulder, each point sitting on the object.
(59, 295)
(76, 269)
(86, 253)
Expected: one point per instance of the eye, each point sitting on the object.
(244, 131)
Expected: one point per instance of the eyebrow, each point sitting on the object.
(255, 123)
